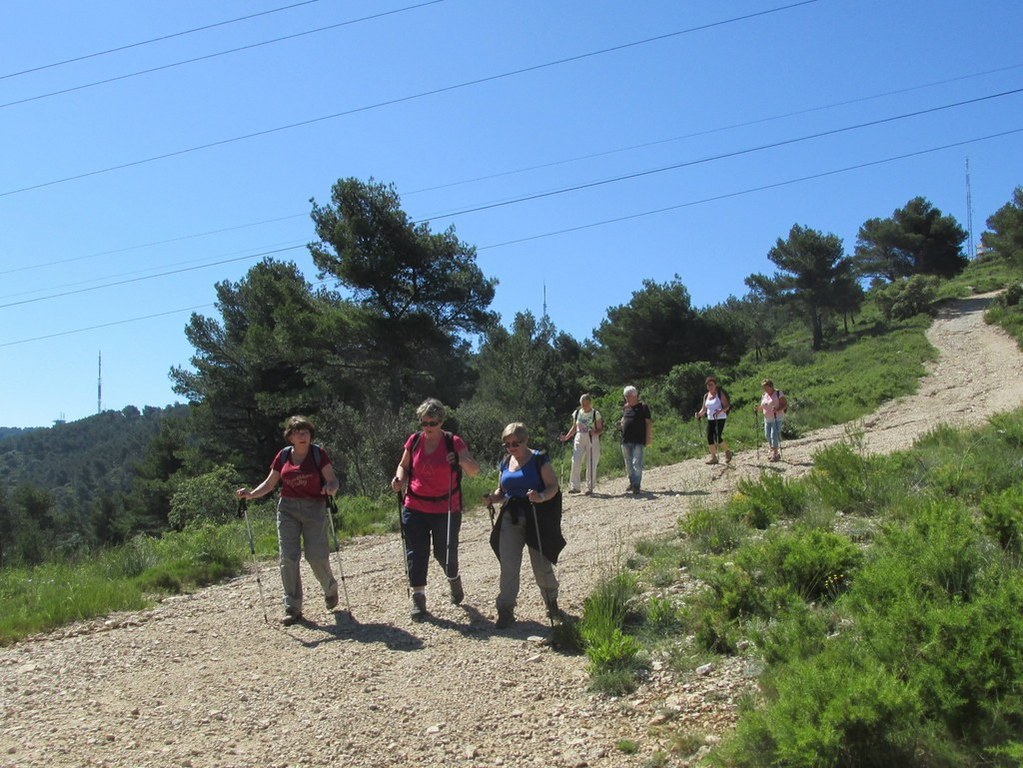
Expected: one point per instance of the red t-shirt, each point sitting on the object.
(433, 477)
(301, 481)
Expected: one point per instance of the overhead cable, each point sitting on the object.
(155, 40)
(208, 56)
(401, 99)
(710, 158)
(618, 219)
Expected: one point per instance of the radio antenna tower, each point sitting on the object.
(971, 248)
(99, 385)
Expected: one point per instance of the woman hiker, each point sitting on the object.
(773, 404)
(715, 408)
(530, 515)
(429, 476)
(307, 476)
(587, 425)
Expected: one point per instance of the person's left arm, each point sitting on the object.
(469, 465)
(783, 403)
(330, 484)
(649, 427)
(550, 482)
(598, 424)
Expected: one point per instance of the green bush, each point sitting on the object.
(713, 531)
(760, 503)
(1003, 518)
(206, 498)
(815, 564)
(903, 299)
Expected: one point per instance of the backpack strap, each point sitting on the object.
(449, 442)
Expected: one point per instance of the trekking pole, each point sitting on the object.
(447, 546)
(243, 511)
(331, 509)
(756, 429)
(404, 546)
(490, 509)
(590, 480)
(539, 548)
(777, 434)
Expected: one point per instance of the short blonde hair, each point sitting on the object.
(517, 430)
(587, 398)
(433, 408)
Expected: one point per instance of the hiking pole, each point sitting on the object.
(331, 509)
(539, 548)
(243, 511)
(756, 430)
(590, 480)
(404, 546)
(777, 434)
(447, 546)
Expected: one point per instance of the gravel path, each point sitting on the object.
(200, 680)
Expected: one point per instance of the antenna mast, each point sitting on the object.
(971, 248)
(99, 384)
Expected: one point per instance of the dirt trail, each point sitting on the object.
(201, 681)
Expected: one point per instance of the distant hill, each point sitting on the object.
(93, 454)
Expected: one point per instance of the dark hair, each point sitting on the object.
(296, 423)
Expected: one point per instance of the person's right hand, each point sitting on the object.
(242, 493)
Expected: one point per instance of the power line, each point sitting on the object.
(604, 222)
(213, 55)
(152, 244)
(751, 190)
(152, 277)
(711, 158)
(757, 121)
(710, 131)
(405, 99)
(155, 40)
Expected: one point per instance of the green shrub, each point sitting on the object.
(713, 531)
(902, 299)
(206, 498)
(1003, 518)
(760, 503)
(816, 564)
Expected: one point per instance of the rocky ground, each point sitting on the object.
(201, 680)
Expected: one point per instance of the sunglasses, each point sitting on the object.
(512, 445)
(429, 423)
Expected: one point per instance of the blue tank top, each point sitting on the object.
(516, 483)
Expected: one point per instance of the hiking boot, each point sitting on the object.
(635, 489)
(712, 460)
(632, 488)
(505, 618)
(589, 492)
(728, 457)
(418, 606)
(457, 593)
(330, 601)
(573, 490)
(291, 618)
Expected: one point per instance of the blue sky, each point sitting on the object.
(733, 121)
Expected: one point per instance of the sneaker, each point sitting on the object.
(418, 606)
(632, 488)
(712, 460)
(728, 457)
(457, 593)
(291, 618)
(588, 493)
(573, 490)
(330, 601)
(505, 618)
(635, 489)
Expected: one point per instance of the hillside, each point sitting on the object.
(201, 681)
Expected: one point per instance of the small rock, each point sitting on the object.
(706, 669)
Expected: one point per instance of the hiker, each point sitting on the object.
(306, 474)
(530, 514)
(587, 425)
(773, 404)
(715, 407)
(429, 476)
(637, 432)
